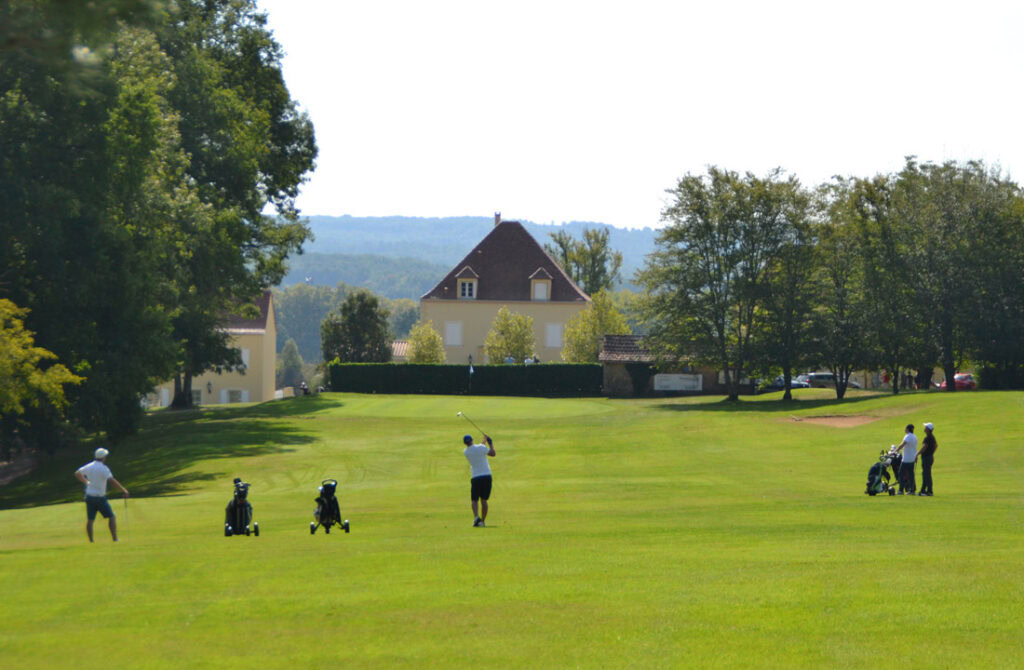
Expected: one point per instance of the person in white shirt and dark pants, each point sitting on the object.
(480, 484)
(909, 448)
(95, 476)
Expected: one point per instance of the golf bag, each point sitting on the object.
(879, 475)
(238, 514)
(327, 512)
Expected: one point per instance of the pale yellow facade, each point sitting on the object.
(464, 324)
(259, 354)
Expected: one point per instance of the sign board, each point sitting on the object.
(678, 382)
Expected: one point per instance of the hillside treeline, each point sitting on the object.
(446, 240)
(902, 272)
(386, 276)
(142, 146)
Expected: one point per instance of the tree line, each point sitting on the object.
(141, 143)
(759, 275)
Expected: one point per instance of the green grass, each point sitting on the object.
(623, 533)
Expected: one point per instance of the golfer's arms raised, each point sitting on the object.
(490, 443)
(119, 486)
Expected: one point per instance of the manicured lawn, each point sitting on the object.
(623, 533)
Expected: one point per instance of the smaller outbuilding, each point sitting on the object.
(630, 369)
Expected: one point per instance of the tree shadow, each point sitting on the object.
(766, 406)
(152, 463)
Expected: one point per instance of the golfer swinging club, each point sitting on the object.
(480, 484)
(95, 476)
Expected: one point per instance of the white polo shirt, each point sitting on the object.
(910, 448)
(476, 454)
(96, 475)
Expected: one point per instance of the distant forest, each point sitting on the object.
(403, 257)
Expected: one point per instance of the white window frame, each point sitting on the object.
(541, 283)
(467, 289)
(554, 332)
(453, 333)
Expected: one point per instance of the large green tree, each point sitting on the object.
(706, 279)
(249, 149)
(358, 331)
(511, 334)
(885, 246)
(840, 323)
(586, 329)
(590, 262)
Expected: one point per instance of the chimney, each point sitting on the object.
(497, 218)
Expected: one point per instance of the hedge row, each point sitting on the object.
(547, 379)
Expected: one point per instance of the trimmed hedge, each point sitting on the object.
(548, 379)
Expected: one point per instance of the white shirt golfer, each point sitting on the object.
(96, 475)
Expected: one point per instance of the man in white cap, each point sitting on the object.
(95, 476)
(927, 454)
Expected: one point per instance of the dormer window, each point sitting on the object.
(540, 285)
(466, 279)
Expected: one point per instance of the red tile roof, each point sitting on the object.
(624, 349)
(504, 261)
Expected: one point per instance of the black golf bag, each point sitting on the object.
(879, 475)
(327, 512)
(238, 514)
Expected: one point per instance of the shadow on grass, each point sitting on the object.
(767, 406)
(153, 462)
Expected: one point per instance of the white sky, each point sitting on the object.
(555, 111)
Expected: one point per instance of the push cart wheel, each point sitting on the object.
(227, 530)
(346, 525)
(247, 531)
(256, 529)
(312, 528)
(327, 529)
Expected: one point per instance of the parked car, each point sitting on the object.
(821, 380)
(779, 383)
(963, 381)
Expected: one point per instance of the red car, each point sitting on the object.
(964, 382)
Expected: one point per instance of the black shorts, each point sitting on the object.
(480, 487)
(94, 504)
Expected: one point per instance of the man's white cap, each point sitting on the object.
(929, 426)
(100, 454)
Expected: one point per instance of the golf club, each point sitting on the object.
(471, 421)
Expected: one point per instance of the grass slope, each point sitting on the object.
(623, 533)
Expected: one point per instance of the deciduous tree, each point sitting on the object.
(511, 334)
(358, 331)
(585, 330)
(425, 344)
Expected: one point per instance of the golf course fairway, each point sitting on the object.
(648, 533)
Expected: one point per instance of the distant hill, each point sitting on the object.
(391, 277)
(419, 251)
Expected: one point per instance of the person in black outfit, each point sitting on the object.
(928, 448)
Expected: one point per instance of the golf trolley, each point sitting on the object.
(238, 514)
(878, 475)
(327, 512)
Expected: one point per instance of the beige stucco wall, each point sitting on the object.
(476, 317)
(256, 385)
